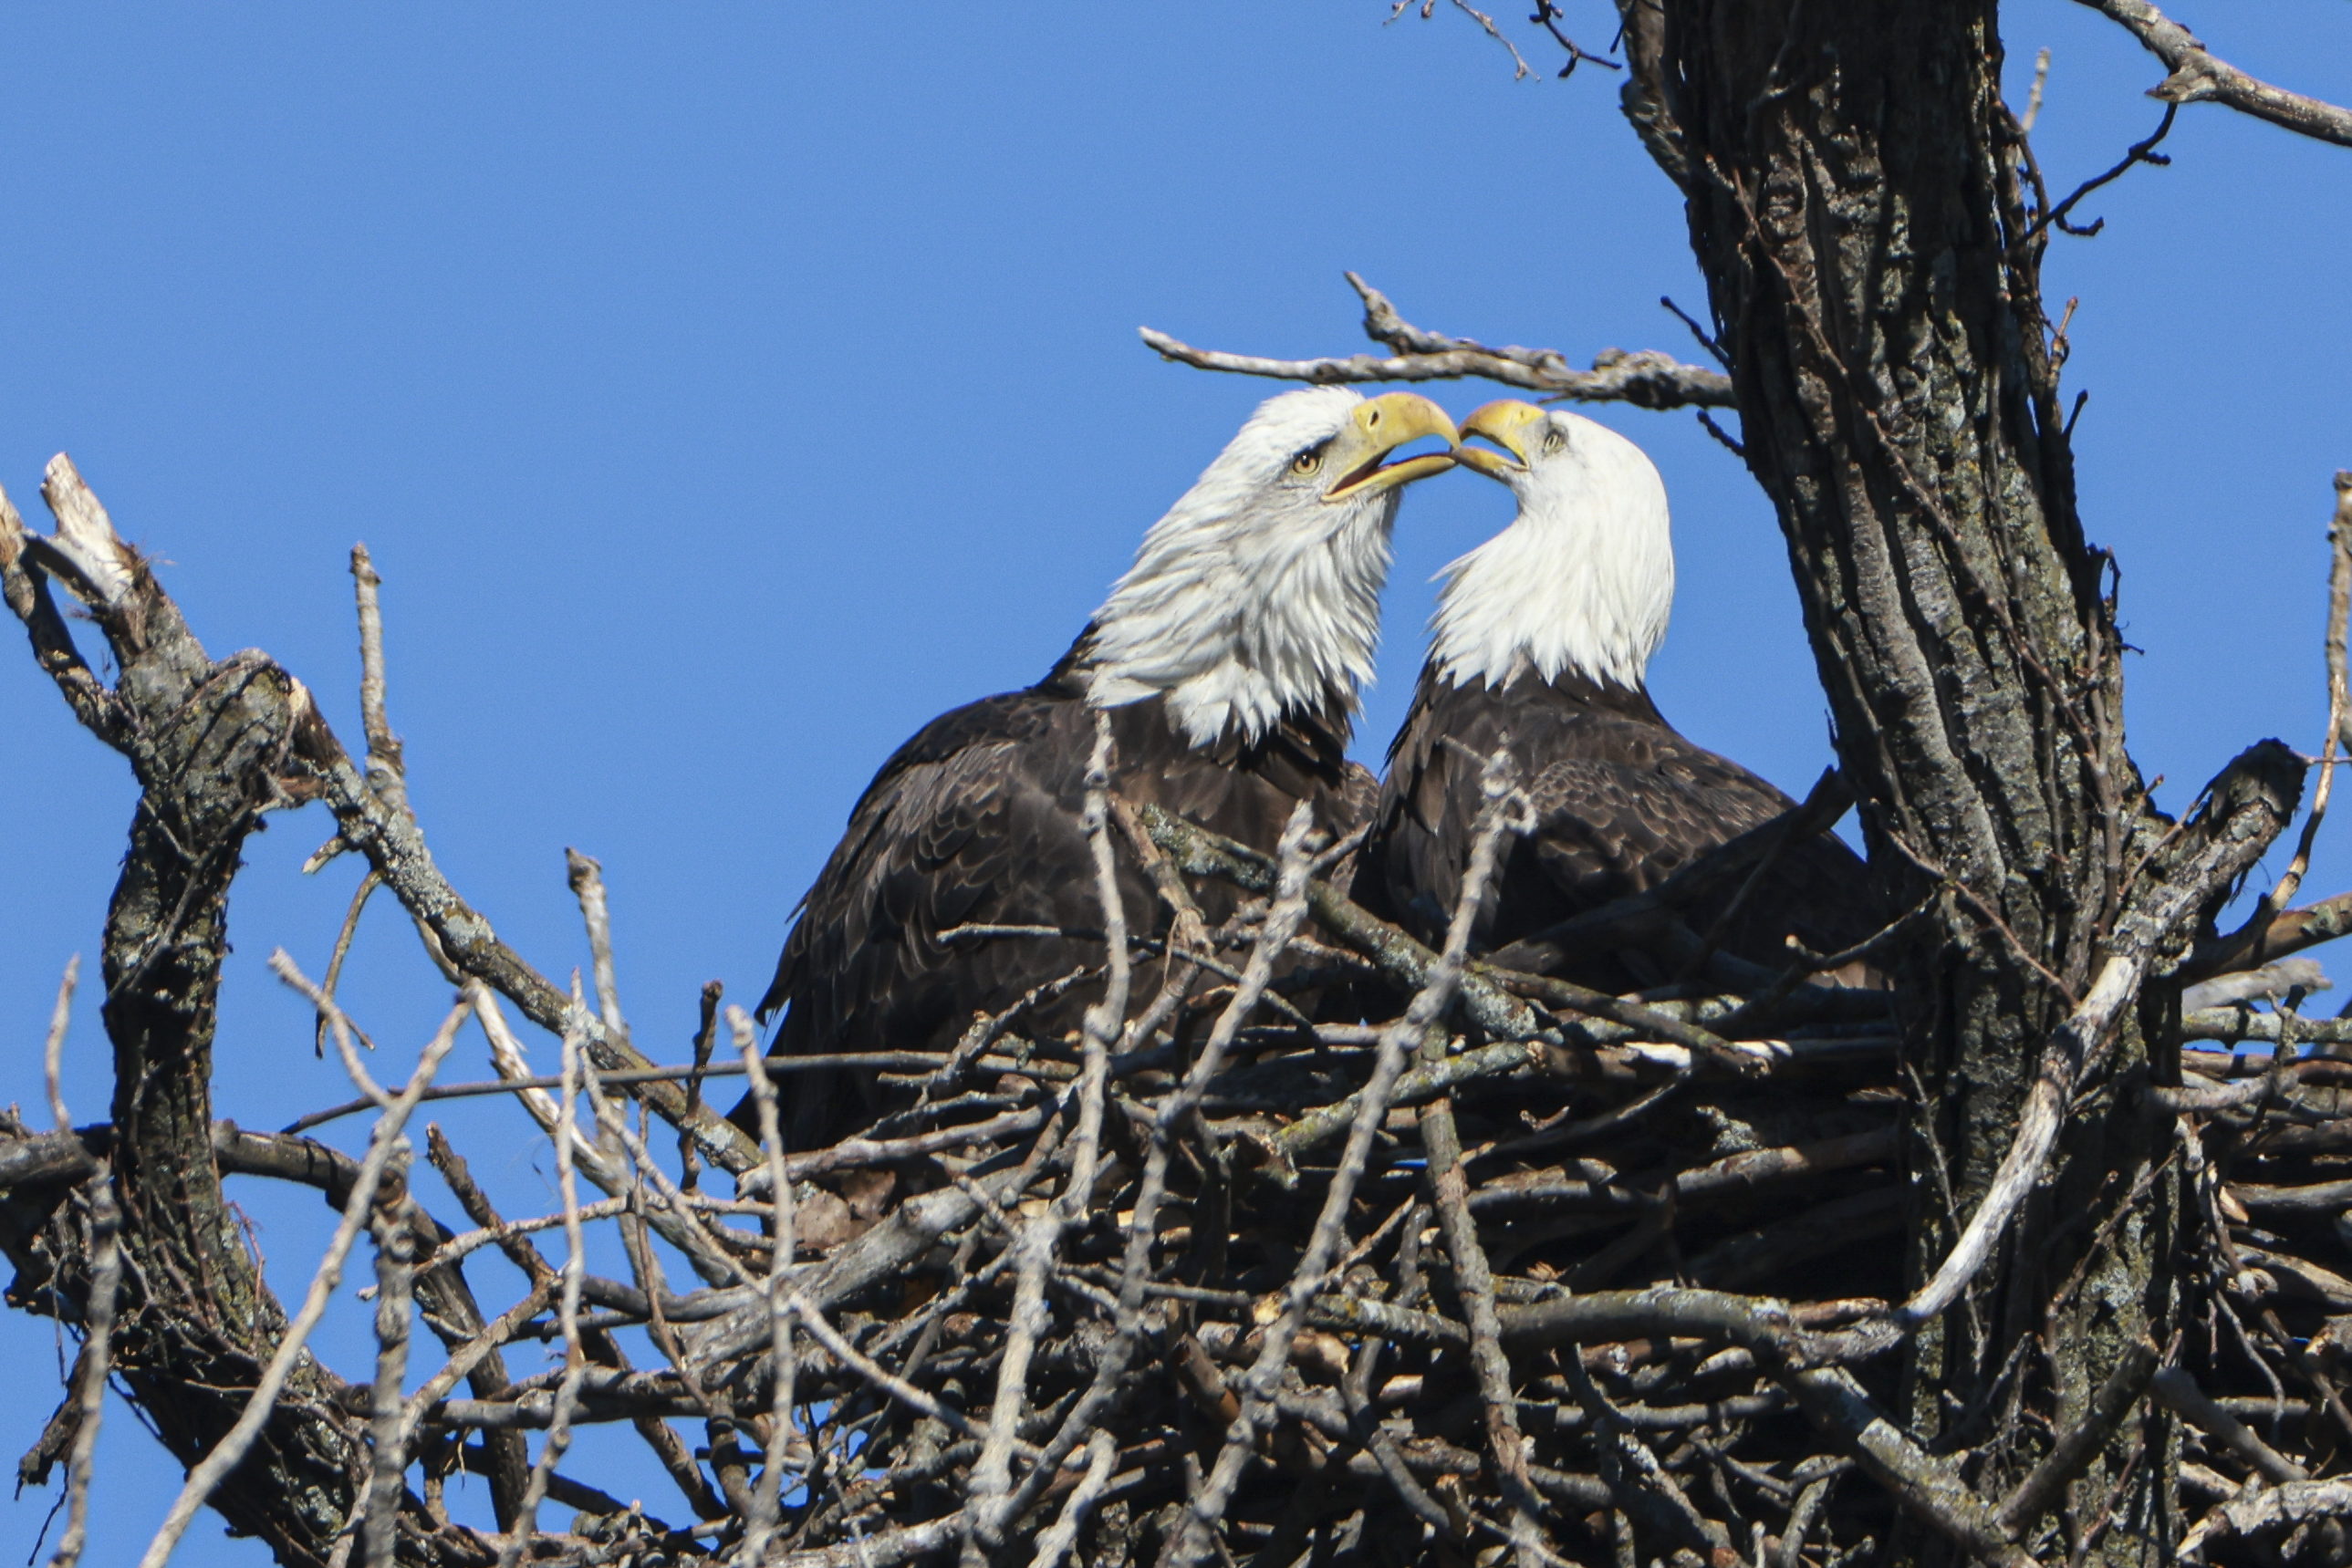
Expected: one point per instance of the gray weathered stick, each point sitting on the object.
(1646, 378)
(575, 1359)
(2196, 76)
(97, 1350)
(762, 1525)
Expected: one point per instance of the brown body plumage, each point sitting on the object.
(1622, 801)
(1539, 648)
(976, 823)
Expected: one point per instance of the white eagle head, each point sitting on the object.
(1257, 596)
(1583, 580)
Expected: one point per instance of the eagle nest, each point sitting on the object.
(1522, 1267)
(1510, 1268)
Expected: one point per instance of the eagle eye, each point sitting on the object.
(1309, 460)
(1554, 439)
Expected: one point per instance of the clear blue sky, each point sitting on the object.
(726, 390)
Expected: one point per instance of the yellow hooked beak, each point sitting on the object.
(1377, 427)
(1505, 423)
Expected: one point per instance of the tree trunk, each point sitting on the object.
(1855, 202)
(198, 1322)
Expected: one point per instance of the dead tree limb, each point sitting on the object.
(1646, 378)
(2195, 76)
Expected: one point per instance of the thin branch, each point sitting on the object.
(1646, 378)
(368, 885)
(609, 1173)
(1206, 1511)
(2196, 76)
(395, 1259)
(706, 1037)
(2034, 98)
(1502, 810)
(461, 1363)
(782, 1366)
(463, 940)
(387, 765)
(1288, 911)
(2339, 687)
(2079, 1444)
(1520, 70)
(575, 1359)
(1548, 17)
(98, 1344)
(1059, 1539)
(878, 1061)
(587, 879)
(1636, 1480)
(1040, 1239)
(2139, 153)
(53, 1050)
(2179, 1393)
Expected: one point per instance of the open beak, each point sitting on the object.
(1505, 423)
(1377, 427)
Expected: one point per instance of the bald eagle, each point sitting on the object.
(1541, 643)
(1228, 657)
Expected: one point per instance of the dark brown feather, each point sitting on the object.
(976, 821)
(1622, 801)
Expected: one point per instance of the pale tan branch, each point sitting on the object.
(2196, 76)
(1646, 378)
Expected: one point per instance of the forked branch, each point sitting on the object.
(2196, 77)
(1646, 378)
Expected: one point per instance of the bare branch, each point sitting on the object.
(395, 1260)
(2197, 77)
(463, 939)
(1263, 1381)
(575, 1360)
(97, 1344)
(2272, 1510)
(1646, 378)
(2180, 1395)
(879, 1061)
(1056, 1543)
(1520, 70)
(1040, 1239)
(2034, 98)
(2142, 151)
(2266, 918)
(1548, 17)
(587, 879)
(2076, 1446)
(387, 764)
(351, 926)
(782, 1366)
(609, 1173)
(1502, 810)
(53, 1050)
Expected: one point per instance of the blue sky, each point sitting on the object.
(724, 391)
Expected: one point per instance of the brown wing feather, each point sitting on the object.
(976, 821)
(1622, 801)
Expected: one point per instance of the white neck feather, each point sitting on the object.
(1583, 580)
(1252, 599)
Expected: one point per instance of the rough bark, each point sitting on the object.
(207, 740)
(1855, 202)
